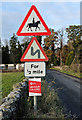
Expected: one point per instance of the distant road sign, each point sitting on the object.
(34, 69)
(34, 52)
(35, 87)
(33, 24)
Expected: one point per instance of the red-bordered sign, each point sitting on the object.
(24, 32)
(35, 87)
(27, 54)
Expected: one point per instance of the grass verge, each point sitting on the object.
(48, 104)
(8, 79)
(69, 72)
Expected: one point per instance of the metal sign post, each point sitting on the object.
(35, 104)
(34, 55)
(35, 90)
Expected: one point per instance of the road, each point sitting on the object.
(68, 89)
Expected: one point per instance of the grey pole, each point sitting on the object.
(35, 104)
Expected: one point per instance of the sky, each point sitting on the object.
(55, 14)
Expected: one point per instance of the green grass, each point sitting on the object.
(8, 79)
(69, 72)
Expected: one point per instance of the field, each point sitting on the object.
(8, 79)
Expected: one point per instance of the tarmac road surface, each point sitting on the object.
(68, 89)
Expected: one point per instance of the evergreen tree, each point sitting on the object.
(74, 37)
(39, 38)
(19, 52)
(5, 55)
(13, 49)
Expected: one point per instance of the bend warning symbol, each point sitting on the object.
(33, 24)
(34, 52)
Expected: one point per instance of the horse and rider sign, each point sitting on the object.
(33, 24)
(34, 56)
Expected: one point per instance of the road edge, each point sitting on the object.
(73, 77)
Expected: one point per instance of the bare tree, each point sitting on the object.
(61, 34)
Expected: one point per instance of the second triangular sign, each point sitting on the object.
(33, 24)
(34, 52)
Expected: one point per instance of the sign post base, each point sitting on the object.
(35, 104)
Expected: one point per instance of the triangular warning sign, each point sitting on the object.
(34, 52)
(33, 24)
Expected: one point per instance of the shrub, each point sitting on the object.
(70, 58)
(48, 104)
(75, 67)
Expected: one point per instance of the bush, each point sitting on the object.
(48, 104)
(70, 58)
(75, 67)
(55, 60)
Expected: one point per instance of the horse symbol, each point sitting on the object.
(34, 24)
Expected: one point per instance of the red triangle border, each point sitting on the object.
(28, 47)
(26, 18)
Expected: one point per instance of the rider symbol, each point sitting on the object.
(33, 24)
(33, 21)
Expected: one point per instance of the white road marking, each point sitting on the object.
(77, 86)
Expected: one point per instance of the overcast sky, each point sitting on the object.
(55, 14)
